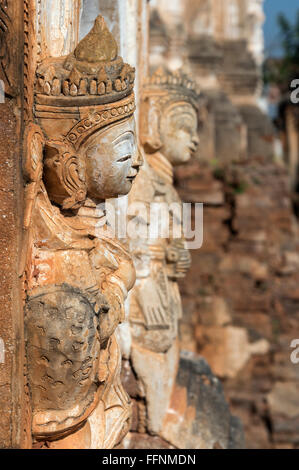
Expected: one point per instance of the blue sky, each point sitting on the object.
(272, 8)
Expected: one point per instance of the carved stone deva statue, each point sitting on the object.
(80, 151)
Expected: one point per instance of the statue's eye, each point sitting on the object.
(124, 159)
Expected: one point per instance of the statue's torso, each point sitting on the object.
(155, 307)
(64, 251)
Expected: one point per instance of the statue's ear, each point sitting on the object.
(64, 175)
(150, 125)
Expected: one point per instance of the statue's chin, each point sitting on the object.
(184, 158)
(121, 191)
(126, 188)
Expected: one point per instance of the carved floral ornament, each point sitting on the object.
(80, 151)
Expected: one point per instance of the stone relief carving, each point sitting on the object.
(80, 150)
(169, 137)
(177, 401)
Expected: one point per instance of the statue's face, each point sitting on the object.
(179, 134)
(112, 160)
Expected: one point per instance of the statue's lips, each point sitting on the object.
(192, 148)
(131, 178)
(133, 174)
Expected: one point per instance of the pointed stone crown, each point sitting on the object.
(93, 74)
(85, 91)
(177, 85)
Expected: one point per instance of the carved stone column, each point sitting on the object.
(58, 26)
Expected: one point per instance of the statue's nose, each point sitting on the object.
(139, 159)
(195, 140)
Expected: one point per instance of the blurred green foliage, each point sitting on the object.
(282, 71)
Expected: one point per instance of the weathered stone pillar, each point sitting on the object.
(170, 41)
(58, 26)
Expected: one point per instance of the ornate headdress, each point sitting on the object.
(162, 89)
(75, 96)
(172, 86)
(92, 87)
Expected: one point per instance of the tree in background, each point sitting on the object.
(281, 71)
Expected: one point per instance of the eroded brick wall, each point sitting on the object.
(241, 296)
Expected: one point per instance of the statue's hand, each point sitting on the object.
(153, 302)
(101, 304)
(178, 259)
